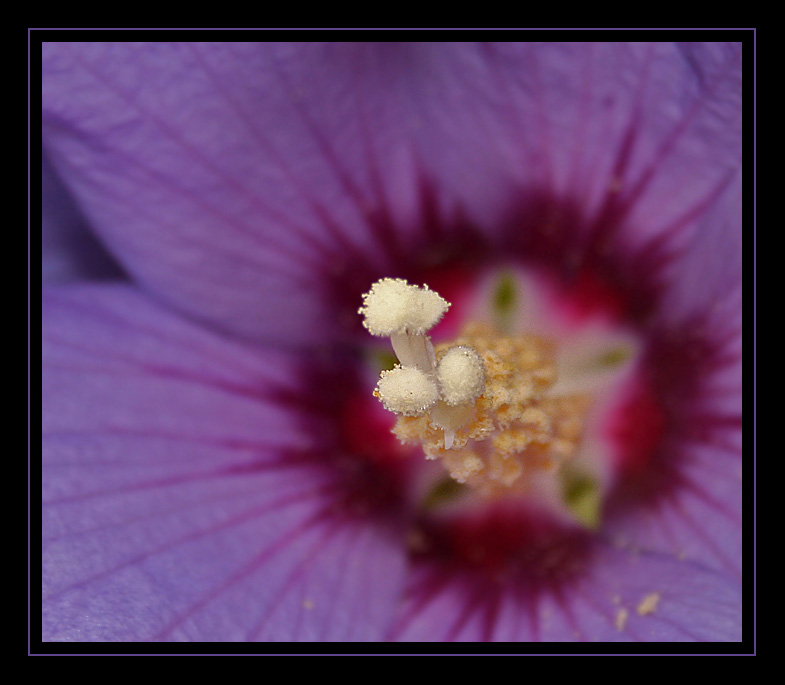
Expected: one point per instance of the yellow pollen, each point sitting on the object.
(649, 604)
(514, 429)
(621, 619)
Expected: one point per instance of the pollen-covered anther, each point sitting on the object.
(504, 428)
(461, 375)
(392, 305)
(404, 312)
(407, 391)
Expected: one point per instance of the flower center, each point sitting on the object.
(507, 413)
(514, 428)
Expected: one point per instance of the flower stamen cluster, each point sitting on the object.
(482, 404)
(517, 427)
(420, 384)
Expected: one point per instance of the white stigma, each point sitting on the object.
(461, 375)
(404, 312)
(407, 390)
(394, 306)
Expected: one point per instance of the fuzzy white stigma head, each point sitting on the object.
(406, 390)
(461, 375)
(394, 306)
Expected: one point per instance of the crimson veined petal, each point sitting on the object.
(272, 164)
(181, 500)
(624, 597)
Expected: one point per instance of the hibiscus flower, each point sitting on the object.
(215, 466)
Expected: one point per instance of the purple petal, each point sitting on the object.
(235, 181)
(70, 251)
(587, 121)
(232, 178)
(227, 177)
(617, 596)
(182, 501)
(691, 506)
(699, 521)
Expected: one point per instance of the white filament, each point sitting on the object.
(414, 350)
